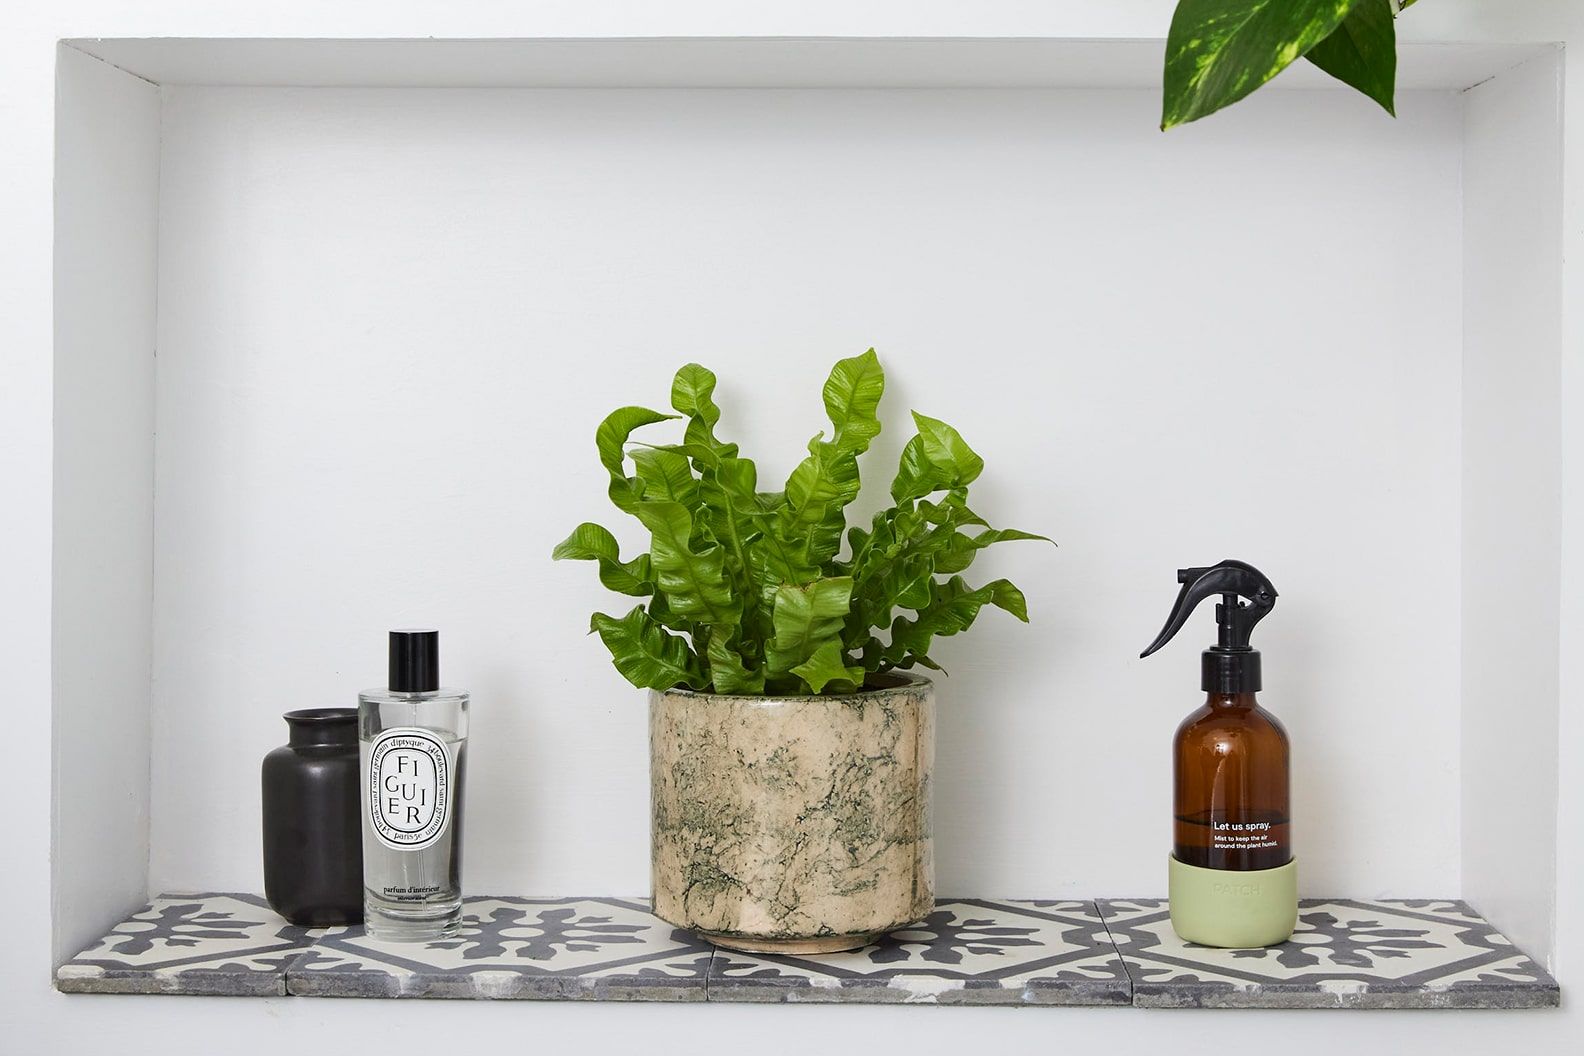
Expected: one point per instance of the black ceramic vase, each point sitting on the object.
(313, 833)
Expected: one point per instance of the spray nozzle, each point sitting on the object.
(1231, 665)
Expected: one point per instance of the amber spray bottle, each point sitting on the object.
(1233, 880)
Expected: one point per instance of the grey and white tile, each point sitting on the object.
(608, 949)
(1345, 953)
(222, 944)
(968, 951)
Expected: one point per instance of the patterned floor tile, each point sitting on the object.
(608, 949)
(1345, 954)
(969, 951)
(1419, 953)
(196, 944)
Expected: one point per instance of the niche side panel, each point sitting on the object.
(106, 218)
(1512, 442)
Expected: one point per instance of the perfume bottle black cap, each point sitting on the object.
(414, 661)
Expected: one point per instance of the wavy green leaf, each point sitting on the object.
(731, 511)
(611, 440)
(812, 518)
(852, 396)
(806, 617)
(727, 672)
(590, 542)
(952, 609)
(1218, 51)
(894, 566)
(665, 474)
(1362, 52)
(693, 396)
(693, 581)
(828, 668)
(808, 528)
(827, 477)
(645, 653)
(936, 459)
(959, 554)
(729, 507)
(660, 609)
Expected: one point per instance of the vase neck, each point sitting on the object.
(322, 727)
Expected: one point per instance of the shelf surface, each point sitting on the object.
(1347, 953)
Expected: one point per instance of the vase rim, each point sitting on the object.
(320, 716)
(899, 680)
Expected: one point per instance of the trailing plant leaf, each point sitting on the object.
(611, 439)
(806, 617)
(590, 542)
(828, 667)
(645, 653)
(1218, 51)
(1362, 52)
(694, 582)
(753, 578)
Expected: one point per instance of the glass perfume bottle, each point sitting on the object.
(412, 752)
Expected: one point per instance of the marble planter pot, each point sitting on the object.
(793, 824)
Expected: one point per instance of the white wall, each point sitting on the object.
(390, 321)
(106, 205)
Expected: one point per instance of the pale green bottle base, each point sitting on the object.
(1233, 909)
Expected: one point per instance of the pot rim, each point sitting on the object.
(903, 680)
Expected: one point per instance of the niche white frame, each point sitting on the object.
(1519, 391)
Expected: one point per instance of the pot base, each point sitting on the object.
(819, 944)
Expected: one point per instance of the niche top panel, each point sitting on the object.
(1347, 953)
(727, 62)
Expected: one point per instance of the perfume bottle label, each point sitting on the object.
(409, 787)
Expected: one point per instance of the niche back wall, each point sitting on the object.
(389, 322)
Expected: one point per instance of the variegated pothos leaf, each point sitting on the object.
(1362, 52)
(1218, 51)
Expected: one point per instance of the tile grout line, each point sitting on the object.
(1127, 969)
